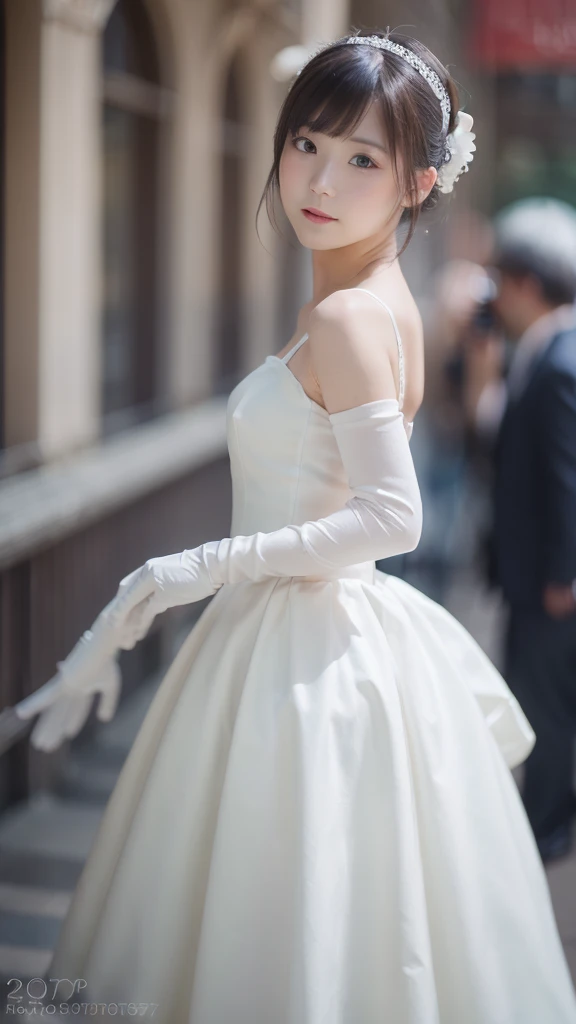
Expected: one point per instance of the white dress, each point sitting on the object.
(317, 823)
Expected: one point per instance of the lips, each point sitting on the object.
(316, 215)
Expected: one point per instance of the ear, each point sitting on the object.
(425, 183)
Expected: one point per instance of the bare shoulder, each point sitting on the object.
(344, 319)
(354, 309)
(354, 350)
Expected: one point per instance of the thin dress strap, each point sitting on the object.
(401, 373)
(293, 349)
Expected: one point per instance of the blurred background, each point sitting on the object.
(136, 138)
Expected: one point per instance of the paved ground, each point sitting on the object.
(44, 843)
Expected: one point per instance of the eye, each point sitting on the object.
(359, 156)
(301, 138)
(362, 156)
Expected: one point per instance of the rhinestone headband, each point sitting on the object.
(416, 62)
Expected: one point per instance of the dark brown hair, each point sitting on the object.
(341, 82)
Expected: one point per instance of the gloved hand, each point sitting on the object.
(382, 518)
(91, 668)
(162, 583)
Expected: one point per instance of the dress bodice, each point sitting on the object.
(285, 463)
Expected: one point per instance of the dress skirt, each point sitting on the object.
(317, 824)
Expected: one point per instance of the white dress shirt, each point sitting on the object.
(536, 338)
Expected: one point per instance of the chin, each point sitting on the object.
(311, 240)
(315, 246)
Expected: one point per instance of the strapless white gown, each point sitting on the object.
(317, 823)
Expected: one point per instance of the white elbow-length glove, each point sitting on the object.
(382, 518)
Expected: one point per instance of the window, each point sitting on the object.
(133, 109)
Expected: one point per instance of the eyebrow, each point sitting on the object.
(368, 142)
(363, 141)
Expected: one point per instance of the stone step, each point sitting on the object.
(45, 841)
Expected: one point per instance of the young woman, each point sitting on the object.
(317, 823)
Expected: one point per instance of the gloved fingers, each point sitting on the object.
(87, 657)
(47, 728)
(77, 712)
(67, 681)
(68, 714)
(41, 699)
(64, 708)
(48, 732)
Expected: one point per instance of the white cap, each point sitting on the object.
(544, 226)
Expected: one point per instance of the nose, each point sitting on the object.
(320, 183)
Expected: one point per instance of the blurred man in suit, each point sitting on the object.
(534, 497)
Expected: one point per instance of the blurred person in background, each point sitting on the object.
(526, 402)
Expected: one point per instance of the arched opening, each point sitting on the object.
(133, 110)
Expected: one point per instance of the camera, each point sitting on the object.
(485, 318)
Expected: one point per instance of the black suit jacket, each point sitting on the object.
(534, 487)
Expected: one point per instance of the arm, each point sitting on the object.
(384, 515)
(383, 518)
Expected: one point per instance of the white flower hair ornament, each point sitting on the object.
(459, 149)
(290, 61)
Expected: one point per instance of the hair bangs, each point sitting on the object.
(333, 109)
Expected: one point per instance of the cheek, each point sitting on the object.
(370, 184)
(374, 191)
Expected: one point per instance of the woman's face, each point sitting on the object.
(347, 179)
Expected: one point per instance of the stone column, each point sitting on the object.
(21, 229)
(70, 220)
(82, 15)
(53, 292)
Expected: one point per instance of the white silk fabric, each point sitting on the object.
(317, 823)
(382, 517)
